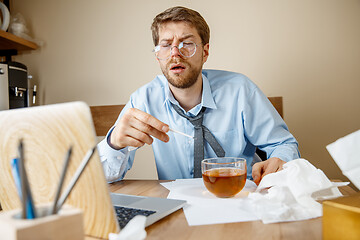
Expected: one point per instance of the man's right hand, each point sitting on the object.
(135, 128)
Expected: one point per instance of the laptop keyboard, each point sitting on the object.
(124, 214)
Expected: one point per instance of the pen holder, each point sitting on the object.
(66, 224)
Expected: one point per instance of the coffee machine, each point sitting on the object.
(15, 89)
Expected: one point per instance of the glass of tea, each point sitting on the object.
(224, 176)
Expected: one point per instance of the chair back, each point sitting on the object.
(104, 117)
(277, 102)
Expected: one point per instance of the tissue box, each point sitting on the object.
(341, 218)
(67, 224)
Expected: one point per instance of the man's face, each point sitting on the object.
(182, 72)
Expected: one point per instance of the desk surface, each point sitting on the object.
(175, 225)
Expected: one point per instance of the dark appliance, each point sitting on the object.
(18, 85)
(15, 86)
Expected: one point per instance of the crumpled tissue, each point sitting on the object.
(134, 230)
(291, 194)
(345, 152)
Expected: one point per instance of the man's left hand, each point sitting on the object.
(260, 169)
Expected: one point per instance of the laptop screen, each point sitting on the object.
(47, 133)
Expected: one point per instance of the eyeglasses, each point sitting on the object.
(186, 49)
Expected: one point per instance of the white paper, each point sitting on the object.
(204, 208)
(345, 152)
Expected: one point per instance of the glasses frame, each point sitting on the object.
(157, 49)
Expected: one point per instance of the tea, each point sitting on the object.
(224, 182)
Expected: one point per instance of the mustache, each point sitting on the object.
(177, 61)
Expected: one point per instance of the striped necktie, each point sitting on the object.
(201, 133)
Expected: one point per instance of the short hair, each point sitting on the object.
(181, 14)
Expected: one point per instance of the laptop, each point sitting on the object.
(47, 133)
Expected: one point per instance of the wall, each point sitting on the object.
(306, 51)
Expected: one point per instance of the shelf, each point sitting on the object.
(9, 41)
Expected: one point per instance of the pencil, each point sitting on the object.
(75, 178)
(22, 178)
(61, 182)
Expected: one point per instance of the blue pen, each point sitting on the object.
(27, 205)
(17, 179)
(16, 175)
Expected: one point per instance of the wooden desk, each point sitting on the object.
(175, 225)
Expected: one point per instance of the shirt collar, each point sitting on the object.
(207, 97)
(207, 100)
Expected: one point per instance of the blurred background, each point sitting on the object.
(306, 51)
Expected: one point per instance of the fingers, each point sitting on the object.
(262, 169)
(272, 165)
(136, 128)
(149, 125)
(257, 172)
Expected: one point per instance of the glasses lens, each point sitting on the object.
(162, 51)
(187, 49)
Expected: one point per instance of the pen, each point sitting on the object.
(62, 177)
(16, 175)
(17, 179)
(75, 178)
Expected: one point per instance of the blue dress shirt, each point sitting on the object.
(237, 113)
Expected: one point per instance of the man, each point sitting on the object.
(225, 108)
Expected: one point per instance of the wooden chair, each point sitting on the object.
(277, 102)
(105, 116)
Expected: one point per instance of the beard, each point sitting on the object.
(182, 80)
